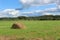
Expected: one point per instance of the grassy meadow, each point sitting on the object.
(48, 30)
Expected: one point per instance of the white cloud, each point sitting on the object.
(27, 12)
(40, 2)
(36, 2)
(59, 6)
(48, 13)
(51, 9)
(9, 13)
(26, 1)
(46, 10)
(15, 13)
(51, 13)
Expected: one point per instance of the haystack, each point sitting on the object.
(18, 26)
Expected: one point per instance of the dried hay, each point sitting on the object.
(18, 26)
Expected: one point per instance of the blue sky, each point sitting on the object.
(9, 4)
(13, 4)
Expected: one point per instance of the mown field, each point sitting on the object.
(45, 30)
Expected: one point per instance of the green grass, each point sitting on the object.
(33, 29)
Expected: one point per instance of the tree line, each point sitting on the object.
(44, 17)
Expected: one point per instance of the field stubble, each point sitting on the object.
(36, 30)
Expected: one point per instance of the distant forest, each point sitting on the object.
(44, 17)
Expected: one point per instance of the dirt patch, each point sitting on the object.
(49, 38)
(36, 39)
(18, 26)
(12, 38)
(23, 38)
(8, 37)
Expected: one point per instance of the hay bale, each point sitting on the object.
(18, 26)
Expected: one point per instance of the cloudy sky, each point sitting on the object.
(28, 7)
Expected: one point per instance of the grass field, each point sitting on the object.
(48, 30)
